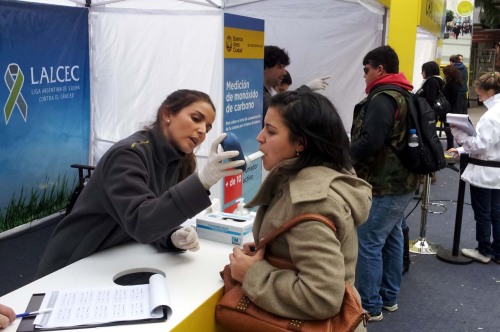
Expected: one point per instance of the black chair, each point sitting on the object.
(82, 180)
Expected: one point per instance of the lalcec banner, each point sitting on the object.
(45, 101)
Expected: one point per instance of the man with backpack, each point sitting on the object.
(378, 126)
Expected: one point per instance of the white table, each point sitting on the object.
(193, 280)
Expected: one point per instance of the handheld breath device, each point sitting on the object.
(231, 142)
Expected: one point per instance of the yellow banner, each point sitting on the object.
(243, 44)
(431, 15)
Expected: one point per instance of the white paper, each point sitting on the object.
(94, 306)
(461, 121)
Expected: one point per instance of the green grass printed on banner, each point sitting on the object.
(35, 205)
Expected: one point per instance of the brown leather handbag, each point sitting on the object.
(235, 311)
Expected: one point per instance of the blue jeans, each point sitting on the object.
(380, 256)
(486, 205)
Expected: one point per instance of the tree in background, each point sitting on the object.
(449, 16)
(489, 14)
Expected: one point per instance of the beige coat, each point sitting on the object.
(324, 260)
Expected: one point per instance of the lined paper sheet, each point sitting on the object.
(94, 306)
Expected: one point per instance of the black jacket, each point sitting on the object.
(451, 91)
(133, 194)
(430, 89)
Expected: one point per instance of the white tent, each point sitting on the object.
(141, 50)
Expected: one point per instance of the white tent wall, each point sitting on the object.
(142, 50)
(425, 50)
(322, 37)
(138, 57)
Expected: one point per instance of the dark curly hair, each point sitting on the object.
(273, 55)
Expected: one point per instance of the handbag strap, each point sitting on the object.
(293, 222)
(440, 81)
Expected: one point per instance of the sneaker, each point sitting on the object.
(390, 308)
(496, 259)
(475, 254)
(376, 317)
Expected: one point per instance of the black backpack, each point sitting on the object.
(428, 156)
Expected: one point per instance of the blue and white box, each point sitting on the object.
(225, 227)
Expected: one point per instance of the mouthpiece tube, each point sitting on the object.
(254, 156)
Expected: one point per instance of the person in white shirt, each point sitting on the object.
(484, 180)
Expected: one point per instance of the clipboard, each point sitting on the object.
(27, 325)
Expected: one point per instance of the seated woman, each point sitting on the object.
(306, 151)
(145, 186)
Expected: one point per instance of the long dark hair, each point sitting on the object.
(313, 120)
(452, 74)
(173, 104)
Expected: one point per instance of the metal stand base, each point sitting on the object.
(421, 246)
(447, 256)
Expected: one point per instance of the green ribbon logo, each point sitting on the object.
(14, 80)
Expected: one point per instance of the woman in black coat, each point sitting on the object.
(432, 84)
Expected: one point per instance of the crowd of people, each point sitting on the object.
(358, 183)
(458, 29)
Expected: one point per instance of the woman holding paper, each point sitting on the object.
(484, 180)
(305, 149)
(145, 186)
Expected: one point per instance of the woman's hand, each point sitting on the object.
(216, 168)
(249, 248)
(7, 316)
(453, 152)
(240, 262)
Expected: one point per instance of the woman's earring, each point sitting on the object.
(298, 153)
(168, 121)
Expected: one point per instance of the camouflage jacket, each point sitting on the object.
(383, 170)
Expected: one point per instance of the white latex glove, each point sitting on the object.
(186, 238)
(215, 168)
(318, 84)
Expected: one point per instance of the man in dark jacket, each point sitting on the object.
(275, 61)
(457, 63)
(376, 126)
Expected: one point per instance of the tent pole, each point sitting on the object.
(208, 3)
